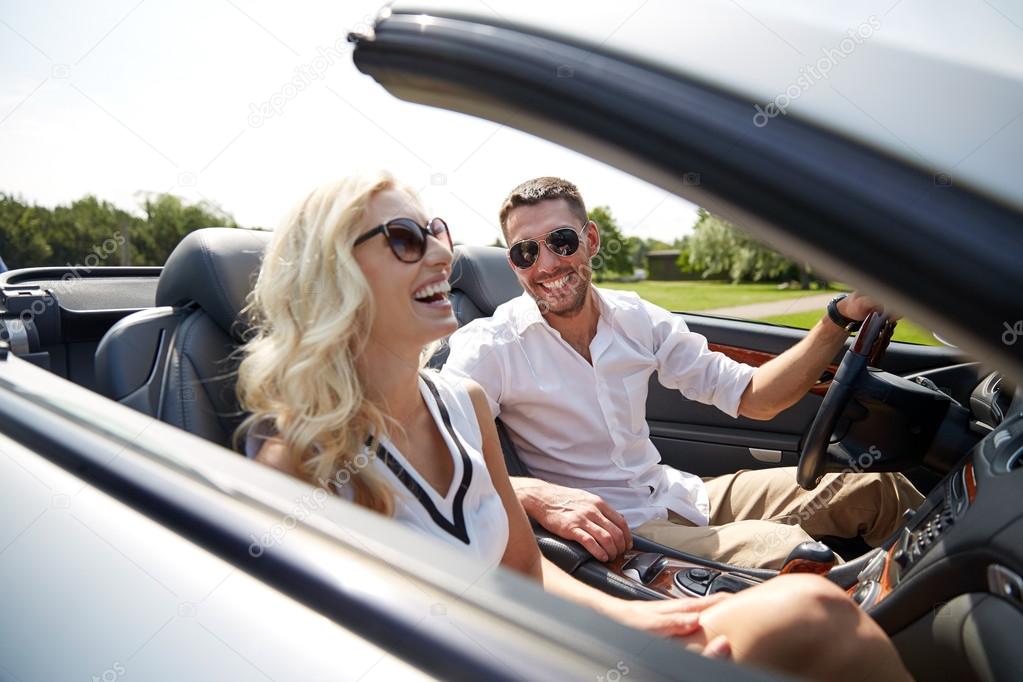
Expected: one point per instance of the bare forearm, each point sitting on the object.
(556, 581)
(781, 382)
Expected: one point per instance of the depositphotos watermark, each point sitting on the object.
(615, 674)
(99, 254)
(1012, 333)
(765, 542)
(305, 75)
(111, 674)
(811, 74)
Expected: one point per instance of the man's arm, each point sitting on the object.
(575, 514)
(780, 382)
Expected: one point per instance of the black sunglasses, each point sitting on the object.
(407, 238)
(563, 241)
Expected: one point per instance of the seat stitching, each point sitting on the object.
(220, 289)
(187, 335)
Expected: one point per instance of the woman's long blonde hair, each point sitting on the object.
(311, 311)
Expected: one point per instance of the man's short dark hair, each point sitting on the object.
(547, 188)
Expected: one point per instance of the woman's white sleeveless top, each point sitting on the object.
(470, 514)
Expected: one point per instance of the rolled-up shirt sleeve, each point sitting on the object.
(475, 354)
(685, 363)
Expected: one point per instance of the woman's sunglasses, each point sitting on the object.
(407, 238)
(563, 241)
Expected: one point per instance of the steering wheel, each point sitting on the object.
(868, 348)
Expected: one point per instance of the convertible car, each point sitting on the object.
(137, 543)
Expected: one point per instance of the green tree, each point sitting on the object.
(716, 246)
(638, 250)
(91, 233)
(614, 257)
(168, 219)
(22, 233)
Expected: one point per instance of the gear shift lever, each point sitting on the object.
(809, 557)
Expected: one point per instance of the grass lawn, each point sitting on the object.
(691, 296)
(906, 331)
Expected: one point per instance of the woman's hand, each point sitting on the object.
(670, 618)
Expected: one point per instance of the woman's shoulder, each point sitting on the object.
(462, 389)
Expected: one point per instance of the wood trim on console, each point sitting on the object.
(885, 581)
(756, 358)
(970, 479)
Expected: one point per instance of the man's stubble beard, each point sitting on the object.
(578, 302)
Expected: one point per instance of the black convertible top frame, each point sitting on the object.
(948, 257)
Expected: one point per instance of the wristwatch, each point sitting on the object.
(840, 319)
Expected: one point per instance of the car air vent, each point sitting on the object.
(1005, 446)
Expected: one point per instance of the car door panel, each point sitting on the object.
(705, 441)
(720, 450)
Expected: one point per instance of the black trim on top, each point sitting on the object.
(457, 528)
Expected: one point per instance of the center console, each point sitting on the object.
(673, 577)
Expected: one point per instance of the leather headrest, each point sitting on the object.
(216, 268)
(483, 274)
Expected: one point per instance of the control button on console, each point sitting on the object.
(700, 575)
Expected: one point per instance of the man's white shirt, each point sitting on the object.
(584, 425)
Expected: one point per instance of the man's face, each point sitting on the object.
(559, 284)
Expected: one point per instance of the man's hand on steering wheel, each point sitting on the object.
(857, 306)
(871, 341)
(577, 515)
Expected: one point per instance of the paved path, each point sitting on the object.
(772, 308)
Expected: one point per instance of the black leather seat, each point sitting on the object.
(175, 362)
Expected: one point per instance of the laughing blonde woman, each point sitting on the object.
(351, 291)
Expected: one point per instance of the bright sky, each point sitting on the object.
(117, 97)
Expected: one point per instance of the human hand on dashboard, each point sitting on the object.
(577, 515)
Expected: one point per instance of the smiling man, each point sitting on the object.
(567, 365)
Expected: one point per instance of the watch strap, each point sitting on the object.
(841, 320)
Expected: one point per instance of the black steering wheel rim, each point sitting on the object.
(814, 450)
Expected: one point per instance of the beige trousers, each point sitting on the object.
(758, 517)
